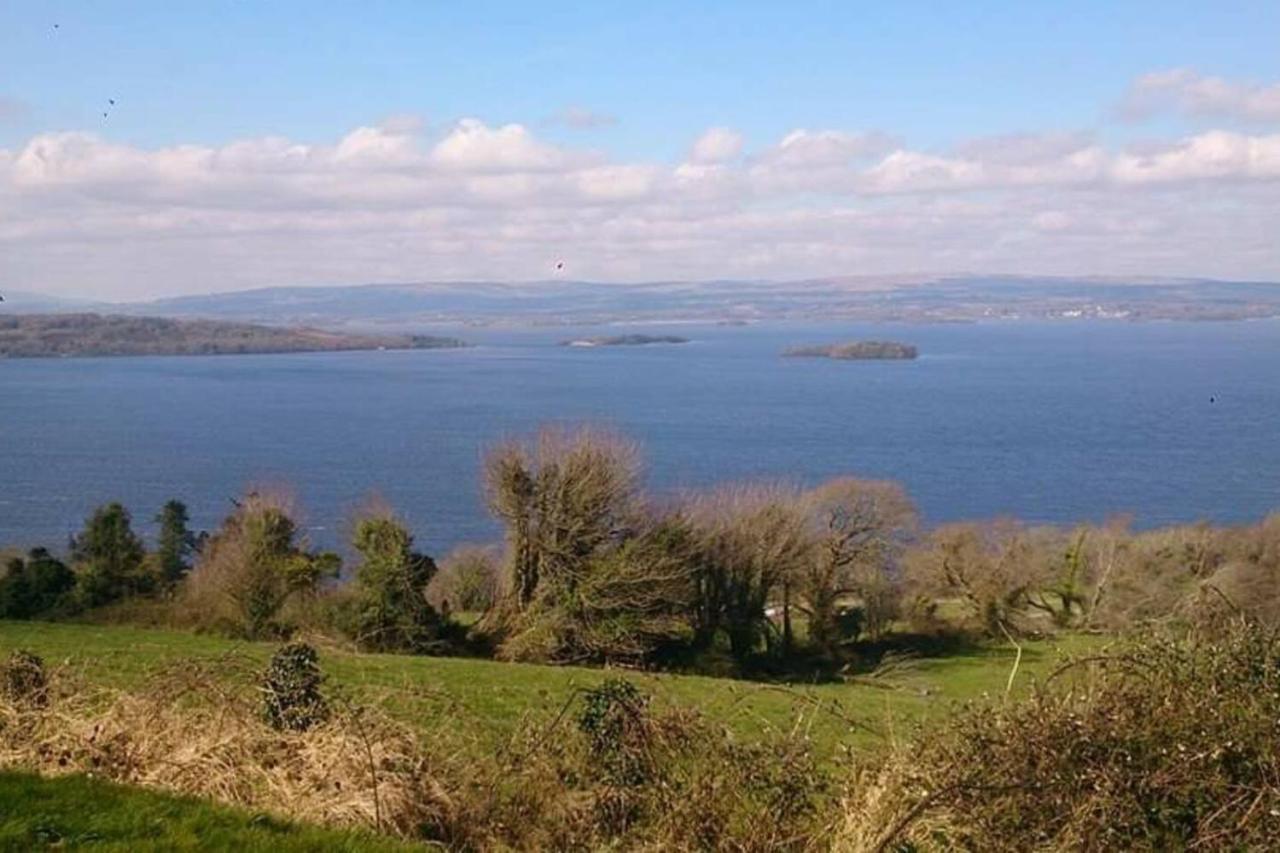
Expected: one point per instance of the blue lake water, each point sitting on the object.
(1048, 422)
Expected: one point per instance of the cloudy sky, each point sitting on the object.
(260, 144)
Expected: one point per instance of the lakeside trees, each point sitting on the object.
(754, 577)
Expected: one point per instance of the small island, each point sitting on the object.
(856, 351)
(65, 335)
(624, 341)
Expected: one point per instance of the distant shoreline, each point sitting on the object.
(113, 336)
(624, 341)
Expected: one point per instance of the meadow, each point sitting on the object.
(490, 697)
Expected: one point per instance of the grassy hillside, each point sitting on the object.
(489, 697)
(44, 335)
(74, 812)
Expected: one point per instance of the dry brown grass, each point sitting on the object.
(190, 733)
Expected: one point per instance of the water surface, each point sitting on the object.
(1049, 422)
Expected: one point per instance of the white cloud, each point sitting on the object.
(85, 215)
(716, 145)
(474, 146)
(1187, 91)
(810, 148)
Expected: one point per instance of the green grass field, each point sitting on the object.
(76, 812)
(489, 696)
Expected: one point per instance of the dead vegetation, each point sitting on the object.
(1165, 743)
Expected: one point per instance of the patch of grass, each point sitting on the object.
(491, 696)
(70, 812)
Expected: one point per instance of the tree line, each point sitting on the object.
(740, 578)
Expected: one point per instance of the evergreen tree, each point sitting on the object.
(392, 611)
(109, 556)
(175, 543)
(33, 586)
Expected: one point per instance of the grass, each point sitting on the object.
(75, 811)
(486, 698)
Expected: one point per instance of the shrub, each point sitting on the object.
(614, 718)
(292, 700)
(468, 580)
(627, 603)
(391, 612)
(250, 569)
(1165, 743)
(24, 679)
(35, 585)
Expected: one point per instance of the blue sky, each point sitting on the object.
(644, 81)
(933, 72)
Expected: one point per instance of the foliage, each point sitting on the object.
(35, 586)
(391, 611)
(569, 504)
(861, 528)
(291, 696)
(109, 557)
(175, 543)
(251, 568)
(1165, 743)
(987, 567)
(469, 580)
(754, 542)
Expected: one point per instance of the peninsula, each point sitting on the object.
(61, 335)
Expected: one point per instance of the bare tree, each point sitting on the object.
(860, 527)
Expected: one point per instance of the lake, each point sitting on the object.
(1056, 422)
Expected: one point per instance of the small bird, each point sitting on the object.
(111, 101)
(559, 265)
(1213, 399)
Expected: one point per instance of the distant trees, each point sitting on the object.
(746, 576)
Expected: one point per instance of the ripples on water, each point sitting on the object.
(1049, 422)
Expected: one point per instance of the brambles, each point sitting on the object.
(1166, 743)
(291, 694)
(23, 679)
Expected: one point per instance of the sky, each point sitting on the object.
(263, 144)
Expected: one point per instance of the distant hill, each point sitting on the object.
(957, 298)
(44, 335)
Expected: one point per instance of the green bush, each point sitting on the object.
(292, 700)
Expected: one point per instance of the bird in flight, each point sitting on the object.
(559, 265)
